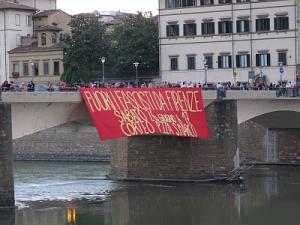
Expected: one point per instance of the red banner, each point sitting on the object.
(131, 112)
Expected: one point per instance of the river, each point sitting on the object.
(60, 193)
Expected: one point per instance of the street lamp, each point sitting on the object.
(103, 61)
(136, 64)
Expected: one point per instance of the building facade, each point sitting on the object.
(229, 40)
(15, 22)
(38, 59)
(40, 5)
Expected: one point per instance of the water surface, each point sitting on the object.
(51, 193)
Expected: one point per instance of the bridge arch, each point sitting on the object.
(276, 111)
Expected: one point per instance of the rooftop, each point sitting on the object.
(35, 48)
(11, 5)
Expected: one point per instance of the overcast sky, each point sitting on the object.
(78, 6)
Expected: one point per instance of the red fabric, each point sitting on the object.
(131, 112)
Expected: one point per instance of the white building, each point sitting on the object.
(15, 22)
(236, 40)
(40, 5)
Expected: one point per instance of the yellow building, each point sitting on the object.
(38, 59)
(56, 18)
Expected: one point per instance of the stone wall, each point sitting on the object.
(75, 141)
(6, 164)
(258, 144)
(174, 158)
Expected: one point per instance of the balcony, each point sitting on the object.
(15, 74)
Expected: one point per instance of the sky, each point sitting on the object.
(78, 6)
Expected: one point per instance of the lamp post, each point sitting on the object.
(136, 64)
(103, 62)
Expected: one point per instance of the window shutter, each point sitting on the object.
(202, 29)
(219, 61)
(248, 60)
(257, 60)
(213, 27)
(268, 23)
(168, 31)
(257, 25)
(230, 61)
(184, 29)
(238, 26)
(287, 25)
(238, 64)
(220, 27)
(276, 23)
(230, 23)
(177, 30)
(268, 59)
(247, 25)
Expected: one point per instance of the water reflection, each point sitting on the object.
(7, 217)
(271, 196)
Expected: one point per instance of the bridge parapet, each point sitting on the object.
(74, 97)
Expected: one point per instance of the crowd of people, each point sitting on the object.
(286, 89)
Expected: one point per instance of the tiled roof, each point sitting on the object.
(45, 13)
(11, 5)
(35, 48)
(47, 28)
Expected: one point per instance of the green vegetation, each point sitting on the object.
(135, 40)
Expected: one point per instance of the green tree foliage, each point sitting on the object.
(84, 50)
(135, 40)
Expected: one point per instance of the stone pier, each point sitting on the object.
(182, 159)
(7, 198)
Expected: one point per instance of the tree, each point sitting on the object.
(135, 40)
(84, 50)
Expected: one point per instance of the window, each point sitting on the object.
(224, 61)
(243, 61)
(25, 69)
(17, 18)
(173, 3)
(225, 1)
(209, 61)
(172, 30)
(225, 27)
(188, 3)
(46, 68)
(282, 58)
(43, 39)
(242, 26)
(281, 23)
(263, 59)
(56, 68)
(54, 38)
(263, 24)
(174, 63)
(240, 1)
(208, 28)
(35, 68)
(206, 2)
(191, 62)
(189, 29)
(28, 21)
(15, 67)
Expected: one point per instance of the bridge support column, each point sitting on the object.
(7, 199)
(182, 159)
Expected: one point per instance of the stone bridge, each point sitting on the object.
(149, 157)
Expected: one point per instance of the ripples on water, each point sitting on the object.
(78, 194)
